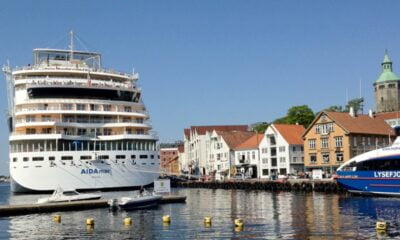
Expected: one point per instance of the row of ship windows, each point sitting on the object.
(84, 157)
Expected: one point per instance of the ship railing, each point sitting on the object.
(79, 83)
(73, 134)
(75, 67)
(57, 120)
(57, 108)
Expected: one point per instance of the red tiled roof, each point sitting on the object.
(388, 115)
(362, 124)
(291, 133)
(234, 138)
(251, 142)
(203, 129)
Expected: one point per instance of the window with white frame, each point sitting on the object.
(324, 143)
(330, 127)
(317, 128)
(281, 148)
(265, 160)
(264, 150)
(282, 159)
(324, 129)
(253, 155)
(338, 141)
(311, 143)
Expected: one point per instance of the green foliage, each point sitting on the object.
(261, 127)
(302, 115)
(335, 108)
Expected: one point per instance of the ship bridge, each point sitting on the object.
(62, 58)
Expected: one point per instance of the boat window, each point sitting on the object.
(143, 156)
(37, 159)
(14, 159)
(152, 156)
(133, 156)
(86, 157)
(380, 165)
(120, 156)
(66, 158)
(52, 158)
(70, 193)
(103, 157)
(25, 159)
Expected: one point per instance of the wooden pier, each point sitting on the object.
(21, 209)
(296, 185)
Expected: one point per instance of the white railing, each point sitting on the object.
(90, 83)
(79, 68)
(73, 108)
(57, 120)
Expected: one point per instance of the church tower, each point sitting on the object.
(387, 88)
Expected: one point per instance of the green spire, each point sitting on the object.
(386, 58)
(387, 71)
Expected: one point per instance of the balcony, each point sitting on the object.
(79, 69)
(63, 108)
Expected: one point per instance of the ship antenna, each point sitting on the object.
(71, 46)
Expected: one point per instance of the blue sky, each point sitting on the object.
(216, 61)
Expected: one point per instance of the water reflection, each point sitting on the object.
(266, 215)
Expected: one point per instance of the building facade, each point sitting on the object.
(222, 152)
(166, 156)
(281, 151)
(247, 157)
(387, 88)
(335, 137)
(197, 145)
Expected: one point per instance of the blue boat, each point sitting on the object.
(376, 172)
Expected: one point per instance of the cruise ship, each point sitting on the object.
(76, 125)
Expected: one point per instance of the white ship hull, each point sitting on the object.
(83, 175)
(76, 125)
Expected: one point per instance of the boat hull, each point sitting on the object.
(83, 175)
(385, 183)
(140, 203)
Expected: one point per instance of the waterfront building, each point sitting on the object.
(281, 150)
(167, 155)
(197, 146)
(387, 88)
(247, 156)
(335, 137)
(221, 162)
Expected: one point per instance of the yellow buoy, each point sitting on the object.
(239, 222)
(381, 226)
(57, 218)
(89, 228)
(127, 221)
(166, 219)
(90, 221)
(238, 228)
(207, 220)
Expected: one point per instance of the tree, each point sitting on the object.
(302, 115)
(334, 108)
(260, 127)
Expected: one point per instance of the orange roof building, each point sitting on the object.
(335, 137)
(197, 147)
(281, 151)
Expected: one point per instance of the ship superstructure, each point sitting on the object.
(74, 124)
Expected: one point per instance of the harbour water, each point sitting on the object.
(267, 215)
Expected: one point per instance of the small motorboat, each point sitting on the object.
(61, 195)
(137, 201)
